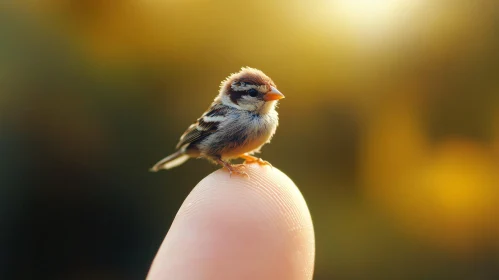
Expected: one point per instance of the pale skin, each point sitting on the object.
(234, 227)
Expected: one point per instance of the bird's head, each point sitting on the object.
(251, 90)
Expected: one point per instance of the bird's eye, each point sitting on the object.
(252, 92)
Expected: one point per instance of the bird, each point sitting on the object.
(240, 120)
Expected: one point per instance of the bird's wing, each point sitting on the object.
(206, 125)
(193, 133)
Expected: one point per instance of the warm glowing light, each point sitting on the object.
(368, 11)
(373, 18)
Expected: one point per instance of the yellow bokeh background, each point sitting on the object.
(390, 126)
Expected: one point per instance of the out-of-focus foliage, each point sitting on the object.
(390, 128)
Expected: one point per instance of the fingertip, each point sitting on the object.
(232, 227)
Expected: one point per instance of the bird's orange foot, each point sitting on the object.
(234, 169)
(238, 170)
(251, 159)
(259, 161)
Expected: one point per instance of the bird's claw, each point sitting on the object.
(236, 169)
(259, 161)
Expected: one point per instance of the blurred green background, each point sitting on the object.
(390, 128)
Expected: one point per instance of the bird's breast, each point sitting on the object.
(248, 134)
(234, 151)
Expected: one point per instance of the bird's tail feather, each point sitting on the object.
(171, 161)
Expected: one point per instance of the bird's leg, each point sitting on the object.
(237, 169)
(251, 159)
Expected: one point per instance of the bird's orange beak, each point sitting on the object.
(273, 94)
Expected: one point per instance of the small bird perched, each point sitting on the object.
(241, 119)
